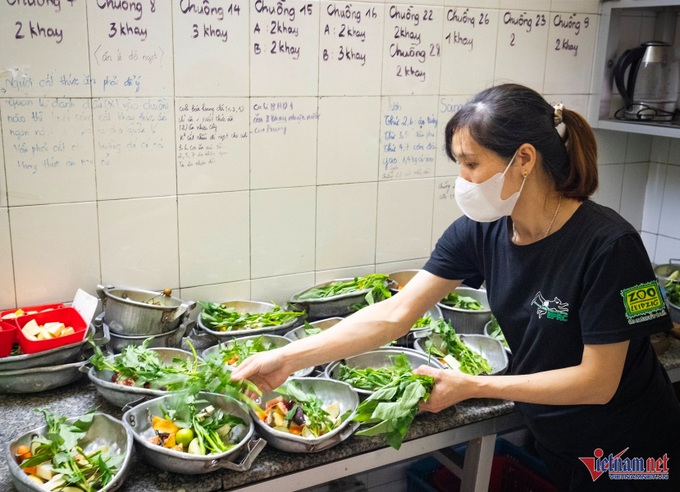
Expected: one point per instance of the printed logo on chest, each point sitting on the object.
(555, 309)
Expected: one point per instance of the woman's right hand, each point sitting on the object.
(266, 370)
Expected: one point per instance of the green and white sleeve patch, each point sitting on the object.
(643, 302)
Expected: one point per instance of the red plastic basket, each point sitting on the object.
(30, 310)
(67, 315)
(8, 334)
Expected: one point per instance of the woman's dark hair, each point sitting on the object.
(506, 116)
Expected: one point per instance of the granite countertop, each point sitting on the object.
(18, 416)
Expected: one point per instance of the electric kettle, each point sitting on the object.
(650, 91)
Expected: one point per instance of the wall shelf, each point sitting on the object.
(625, 24)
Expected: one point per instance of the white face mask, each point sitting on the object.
(482, 202)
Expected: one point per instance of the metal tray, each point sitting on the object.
(328, 391)
(329, 307)
(56, 356)
(381, 357)
(104, 430)
(120, 395)
(486, 346)
(249, 307)
(138, 421)
(276, 340)
(37, 379)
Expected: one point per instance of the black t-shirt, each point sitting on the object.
(591, 282)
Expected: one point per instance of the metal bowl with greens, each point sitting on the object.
(243, 318)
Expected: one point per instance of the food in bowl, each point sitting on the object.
(63, 459)
(375, 283)
(453, 353)
(223, 318)
(672, 288)
(458, 301)
(236, 351)
(51, 329)
(192, 425)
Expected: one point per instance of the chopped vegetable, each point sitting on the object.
(58, 459)
(393, 407)
(496, 332)
(462, 302)
(219, 317)
(376, 284)
(454, 353)
(311, 330)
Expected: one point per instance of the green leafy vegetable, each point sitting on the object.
(88, 469)
(236, 351)
(393, 407)
(371, 378)
(462, 302)
(672, 288)
(496, 332)
(423, 322)
(376, 284)
(465, 359)
(219, 317)
(314, 416)
(311, 330)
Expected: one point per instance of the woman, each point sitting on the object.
(568, 280)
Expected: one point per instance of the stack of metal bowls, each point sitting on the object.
(469, 321)
(134, 315)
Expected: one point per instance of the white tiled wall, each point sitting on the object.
(225, 174)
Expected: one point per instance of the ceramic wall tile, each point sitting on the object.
(279, 290)
(408, 137)
(134, 149)
(571, 43)
(639, 148)
(397, 266)
(404, 219)
(343, 273)
(649, 240)
(611, 186)
(522, 46)
(581, 6)
(212, 144)
(468, 47)
(231, 291)
(214, 238)
(130, 48)
(3, 181)
(48, 150)
(348, 146)
(653, 197)
(284, 43)
(214, 41)
(345, 225)
(55, 250)
(660, 149)
(351, 45)
(139, 242)
(412, 49)
(447, 107)
(611, 146)
(674, 152)
(283, 135)
(666, 249)
(669, 224)
(43, 52)
(7, 295)
(446, 209)
(282, 231)
(633, 192)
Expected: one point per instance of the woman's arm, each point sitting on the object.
(593, 381)
(368, 328)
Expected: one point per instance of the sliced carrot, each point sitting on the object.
(295, 429)
(232, 361)
(23, 452)
(170, 441)
(30, 470)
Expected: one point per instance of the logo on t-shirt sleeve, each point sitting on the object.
(643, 302)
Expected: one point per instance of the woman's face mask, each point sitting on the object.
(482, 202)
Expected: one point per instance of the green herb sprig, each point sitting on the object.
(469, 361)
(462, 302)
(219, 317)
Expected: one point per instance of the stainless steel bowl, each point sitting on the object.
(397, 280)
(381, 357)
(489, 348)
(407, 340)
(105, 430)
(329, 307)
(241, 306)
(56, 356)
(323, 324)
(138, 421)
(276, 341)
(171, 339)
(37, 379)
(129, 311)
(120, 395)
(328, 391)
(468, 321)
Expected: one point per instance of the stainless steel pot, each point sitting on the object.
(171, 339)
(105, 430)
(138, 421)
(37, 379)
(327, 391)
(136, 312)
(468, 320)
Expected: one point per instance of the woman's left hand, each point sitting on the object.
(448, 388)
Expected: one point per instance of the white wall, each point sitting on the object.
(268, 210)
